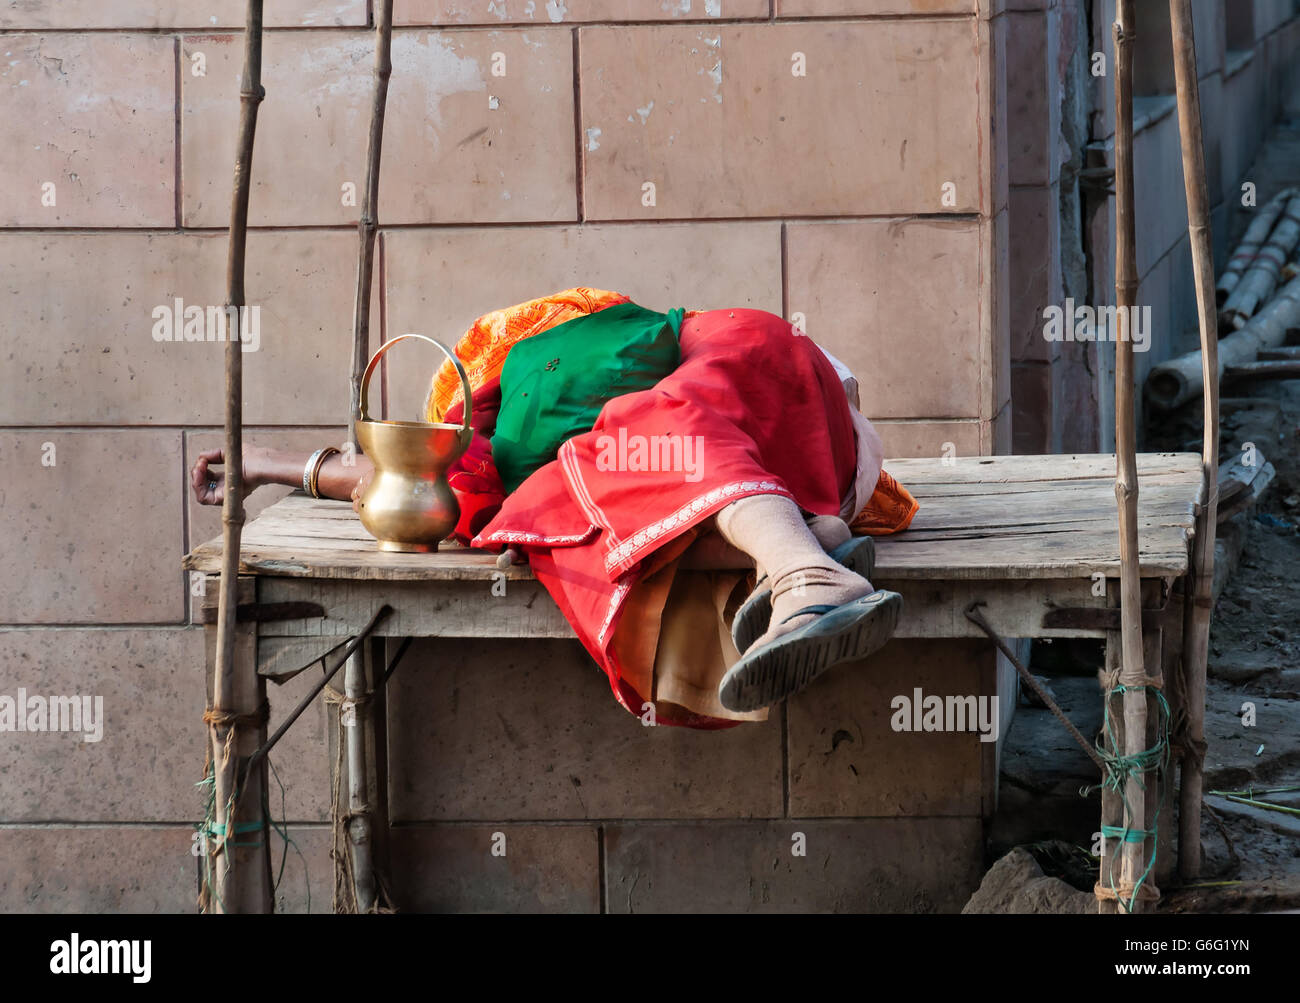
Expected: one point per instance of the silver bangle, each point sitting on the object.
(306, 471)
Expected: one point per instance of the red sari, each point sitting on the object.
(755, 407)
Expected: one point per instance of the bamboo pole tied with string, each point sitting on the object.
(230, 724)
(1131, 740)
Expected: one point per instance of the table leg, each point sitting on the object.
(356, 712)
(1193, 744)
(1123, 864)
(1171, 667)
(239, 860)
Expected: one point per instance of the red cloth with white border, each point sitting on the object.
(766, 414)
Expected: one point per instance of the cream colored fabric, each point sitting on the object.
(695, 646)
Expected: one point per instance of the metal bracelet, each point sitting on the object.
(313, 483)
(307, 472)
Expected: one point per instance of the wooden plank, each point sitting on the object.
(986, 558)
(1056, 489)
(982, 518)
(1036, 468)
(452, 609)
(1065, 555)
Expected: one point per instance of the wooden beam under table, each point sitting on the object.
(468, 609)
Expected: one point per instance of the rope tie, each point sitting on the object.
(342, 816)
(1120, 769)
(229, 719)
(218, 719)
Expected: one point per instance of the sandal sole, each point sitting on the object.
(755, 613)
(784, 667)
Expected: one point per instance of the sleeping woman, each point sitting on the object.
(697, 491)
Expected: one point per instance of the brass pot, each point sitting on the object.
(408, 505)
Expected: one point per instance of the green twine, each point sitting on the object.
(1127, 835)
(282, 830)
(1120, 769)
(210, 827)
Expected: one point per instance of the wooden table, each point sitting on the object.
(1033, 538)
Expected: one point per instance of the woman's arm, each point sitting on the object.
(276, 466)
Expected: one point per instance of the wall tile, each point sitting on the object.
(1032, 408)
(855, 8)
(1158, 190)
(97, 870)
(83, 14)
(921, 865)
(718, 122)
(565, 748)
(460, 144)
(867, 289)
(551, 869)
(929, 438)
(307, 882)
(151, 750)
(95, 537)
(846, 759)
(1029, 120)
(94, 116)
(1035, 270)
(572, 11)
(82, 319)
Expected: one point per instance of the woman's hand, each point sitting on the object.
(210, 486)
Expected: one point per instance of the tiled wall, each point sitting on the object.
(1063, 393)
(839, 159)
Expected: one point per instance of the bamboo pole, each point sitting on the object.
(1196, 637)
(1132, 671)
(360, 803)
(356, 679)
(226, 688)
(368, 225)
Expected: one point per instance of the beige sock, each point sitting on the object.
(830, 530)
(771, 529)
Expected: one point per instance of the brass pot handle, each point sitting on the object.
(374, 361)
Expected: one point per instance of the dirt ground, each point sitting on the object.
(1251, 855)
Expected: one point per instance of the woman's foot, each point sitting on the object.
(857, 554)
(801, 646)
(827, 585)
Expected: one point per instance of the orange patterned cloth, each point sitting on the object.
(889, 509)
(483, 348)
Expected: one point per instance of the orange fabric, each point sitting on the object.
(889, 509)
(483, 348)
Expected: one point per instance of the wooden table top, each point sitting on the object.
(981, 518)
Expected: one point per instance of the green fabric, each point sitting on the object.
(554, 384)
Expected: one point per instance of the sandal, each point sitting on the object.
(857, 554)
(789, 663)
